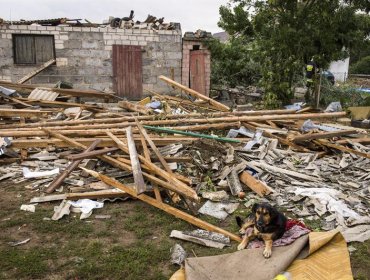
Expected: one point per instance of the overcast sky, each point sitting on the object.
(192, 14)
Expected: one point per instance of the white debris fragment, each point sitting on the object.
(28, 207)
(37, 174)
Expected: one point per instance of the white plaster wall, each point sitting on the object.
(340, 69)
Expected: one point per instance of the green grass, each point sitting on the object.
(133, 244)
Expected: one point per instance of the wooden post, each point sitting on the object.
(136, 169)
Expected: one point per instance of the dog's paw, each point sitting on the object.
(242, 231)
(241, 246)
(267, 253)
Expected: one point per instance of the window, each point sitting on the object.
(33, 49)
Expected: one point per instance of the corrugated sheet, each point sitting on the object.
(39, 94)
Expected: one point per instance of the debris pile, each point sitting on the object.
(150, 23)
(186, 155)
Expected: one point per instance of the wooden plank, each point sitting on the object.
(323, 135)
(180, 187)
(75, 196)
(196, 94)
(343, 149)
(91, 154)
(173, 186)
(106, 142)
(134, 107)
(140, 185)
(36, 71)
(62, 91)
(131, 118)
(256, 185)
(294, 174)
(25, 113)
(171, 210)
(60, 178)
(146, 152)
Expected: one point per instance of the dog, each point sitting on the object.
(268, 225)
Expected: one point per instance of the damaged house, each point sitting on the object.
(120, 56)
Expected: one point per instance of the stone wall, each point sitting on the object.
(84, 55)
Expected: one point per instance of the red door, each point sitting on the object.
(197, 71)
(127, 71)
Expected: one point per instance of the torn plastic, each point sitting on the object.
(86, 205)
(178, 255)
(296, 106)
(309, 125)
(333, 107)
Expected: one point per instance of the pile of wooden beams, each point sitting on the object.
(131, 141)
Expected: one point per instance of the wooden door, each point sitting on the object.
(197, 71)
(127, 71)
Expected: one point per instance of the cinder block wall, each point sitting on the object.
(188, 46)
(84, 55)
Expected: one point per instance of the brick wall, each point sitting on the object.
(84, 55)
(187, 47)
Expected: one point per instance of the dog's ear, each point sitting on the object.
(273, 213)
(254, 208)
(239, 221)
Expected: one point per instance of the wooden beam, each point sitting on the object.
(106, 142)
(25, 113)
(65, 92)
(256, 185)
(60, 178)
(343, 149)
(195, 94)
(140, 185)
(171, 210)
(180, 188)
(152, 117)
(60, 104)
(134, 107)
(91, 154)
(36, 71)
(323, 135)
(146, 152)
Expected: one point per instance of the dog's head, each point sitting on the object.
(264, 214)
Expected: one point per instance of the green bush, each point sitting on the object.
(362, 66)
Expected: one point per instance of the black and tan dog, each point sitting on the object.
(268, 224)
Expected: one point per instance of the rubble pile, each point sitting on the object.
(150, 23)
(186, 154)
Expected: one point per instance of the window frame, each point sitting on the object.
(35, 59)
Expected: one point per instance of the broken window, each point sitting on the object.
(33, 49)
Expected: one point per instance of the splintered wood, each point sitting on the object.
(190, 145)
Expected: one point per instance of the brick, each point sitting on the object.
(108, 48)
(63, 37)
(142, 43)
(134, 43)
(51, 28)
(140, 38)
(41, 27)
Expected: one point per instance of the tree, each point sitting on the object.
(362, 66)
(287, 33)
(232, 63)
